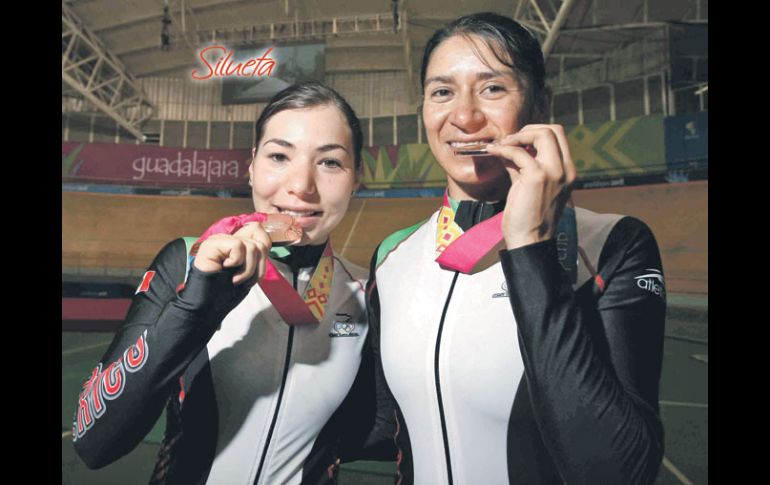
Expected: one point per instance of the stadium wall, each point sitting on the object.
(119, 234)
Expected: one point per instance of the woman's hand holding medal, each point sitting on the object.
(232, 243)
(540, 165)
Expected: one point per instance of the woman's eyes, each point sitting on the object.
(495, 88)
(440, 93)
(331, 163)
(326, 162)
(445, 93)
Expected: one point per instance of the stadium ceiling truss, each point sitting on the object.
(96, 75)
(586, 46)
(288, 31)
(281, 32)
(586, 43)
(533, 16)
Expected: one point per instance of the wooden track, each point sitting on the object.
(126, 231)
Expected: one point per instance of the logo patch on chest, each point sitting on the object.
(504, 294)
(343, 326)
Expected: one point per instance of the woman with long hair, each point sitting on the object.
(251, 335)
(517, 339)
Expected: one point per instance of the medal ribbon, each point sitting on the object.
(294, 310)
(461, 251)
(458, 250)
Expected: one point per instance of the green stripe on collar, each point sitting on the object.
(390, 242)
(279, 251)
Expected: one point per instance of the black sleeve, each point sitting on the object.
(593, 365)
(372, 438)
(162, 333)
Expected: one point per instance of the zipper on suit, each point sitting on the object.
(445, 436)
(280, 392)
(438, 383)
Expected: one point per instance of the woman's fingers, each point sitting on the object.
(258, 245)
(514, 158)
(570, 172)
(216, 252)
(566, 155)
(255, 232)
(541, 182)
(236, 254)
(545, 142)
(246, 251)
(248, 268)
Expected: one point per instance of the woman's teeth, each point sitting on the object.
(299, 213)
(462, 144)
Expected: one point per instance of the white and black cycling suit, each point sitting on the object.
(514, 374)
(249, 399)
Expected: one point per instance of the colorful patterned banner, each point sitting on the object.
(152, 165)
(610, 149)
(618, 148)
(625, 148)
(402, 166)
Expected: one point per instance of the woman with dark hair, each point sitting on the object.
(517, 339)
(251, 347)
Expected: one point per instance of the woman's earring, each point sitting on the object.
(249, 180)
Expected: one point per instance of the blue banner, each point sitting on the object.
(686, 138)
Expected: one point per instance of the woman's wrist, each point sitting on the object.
(519, 241)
